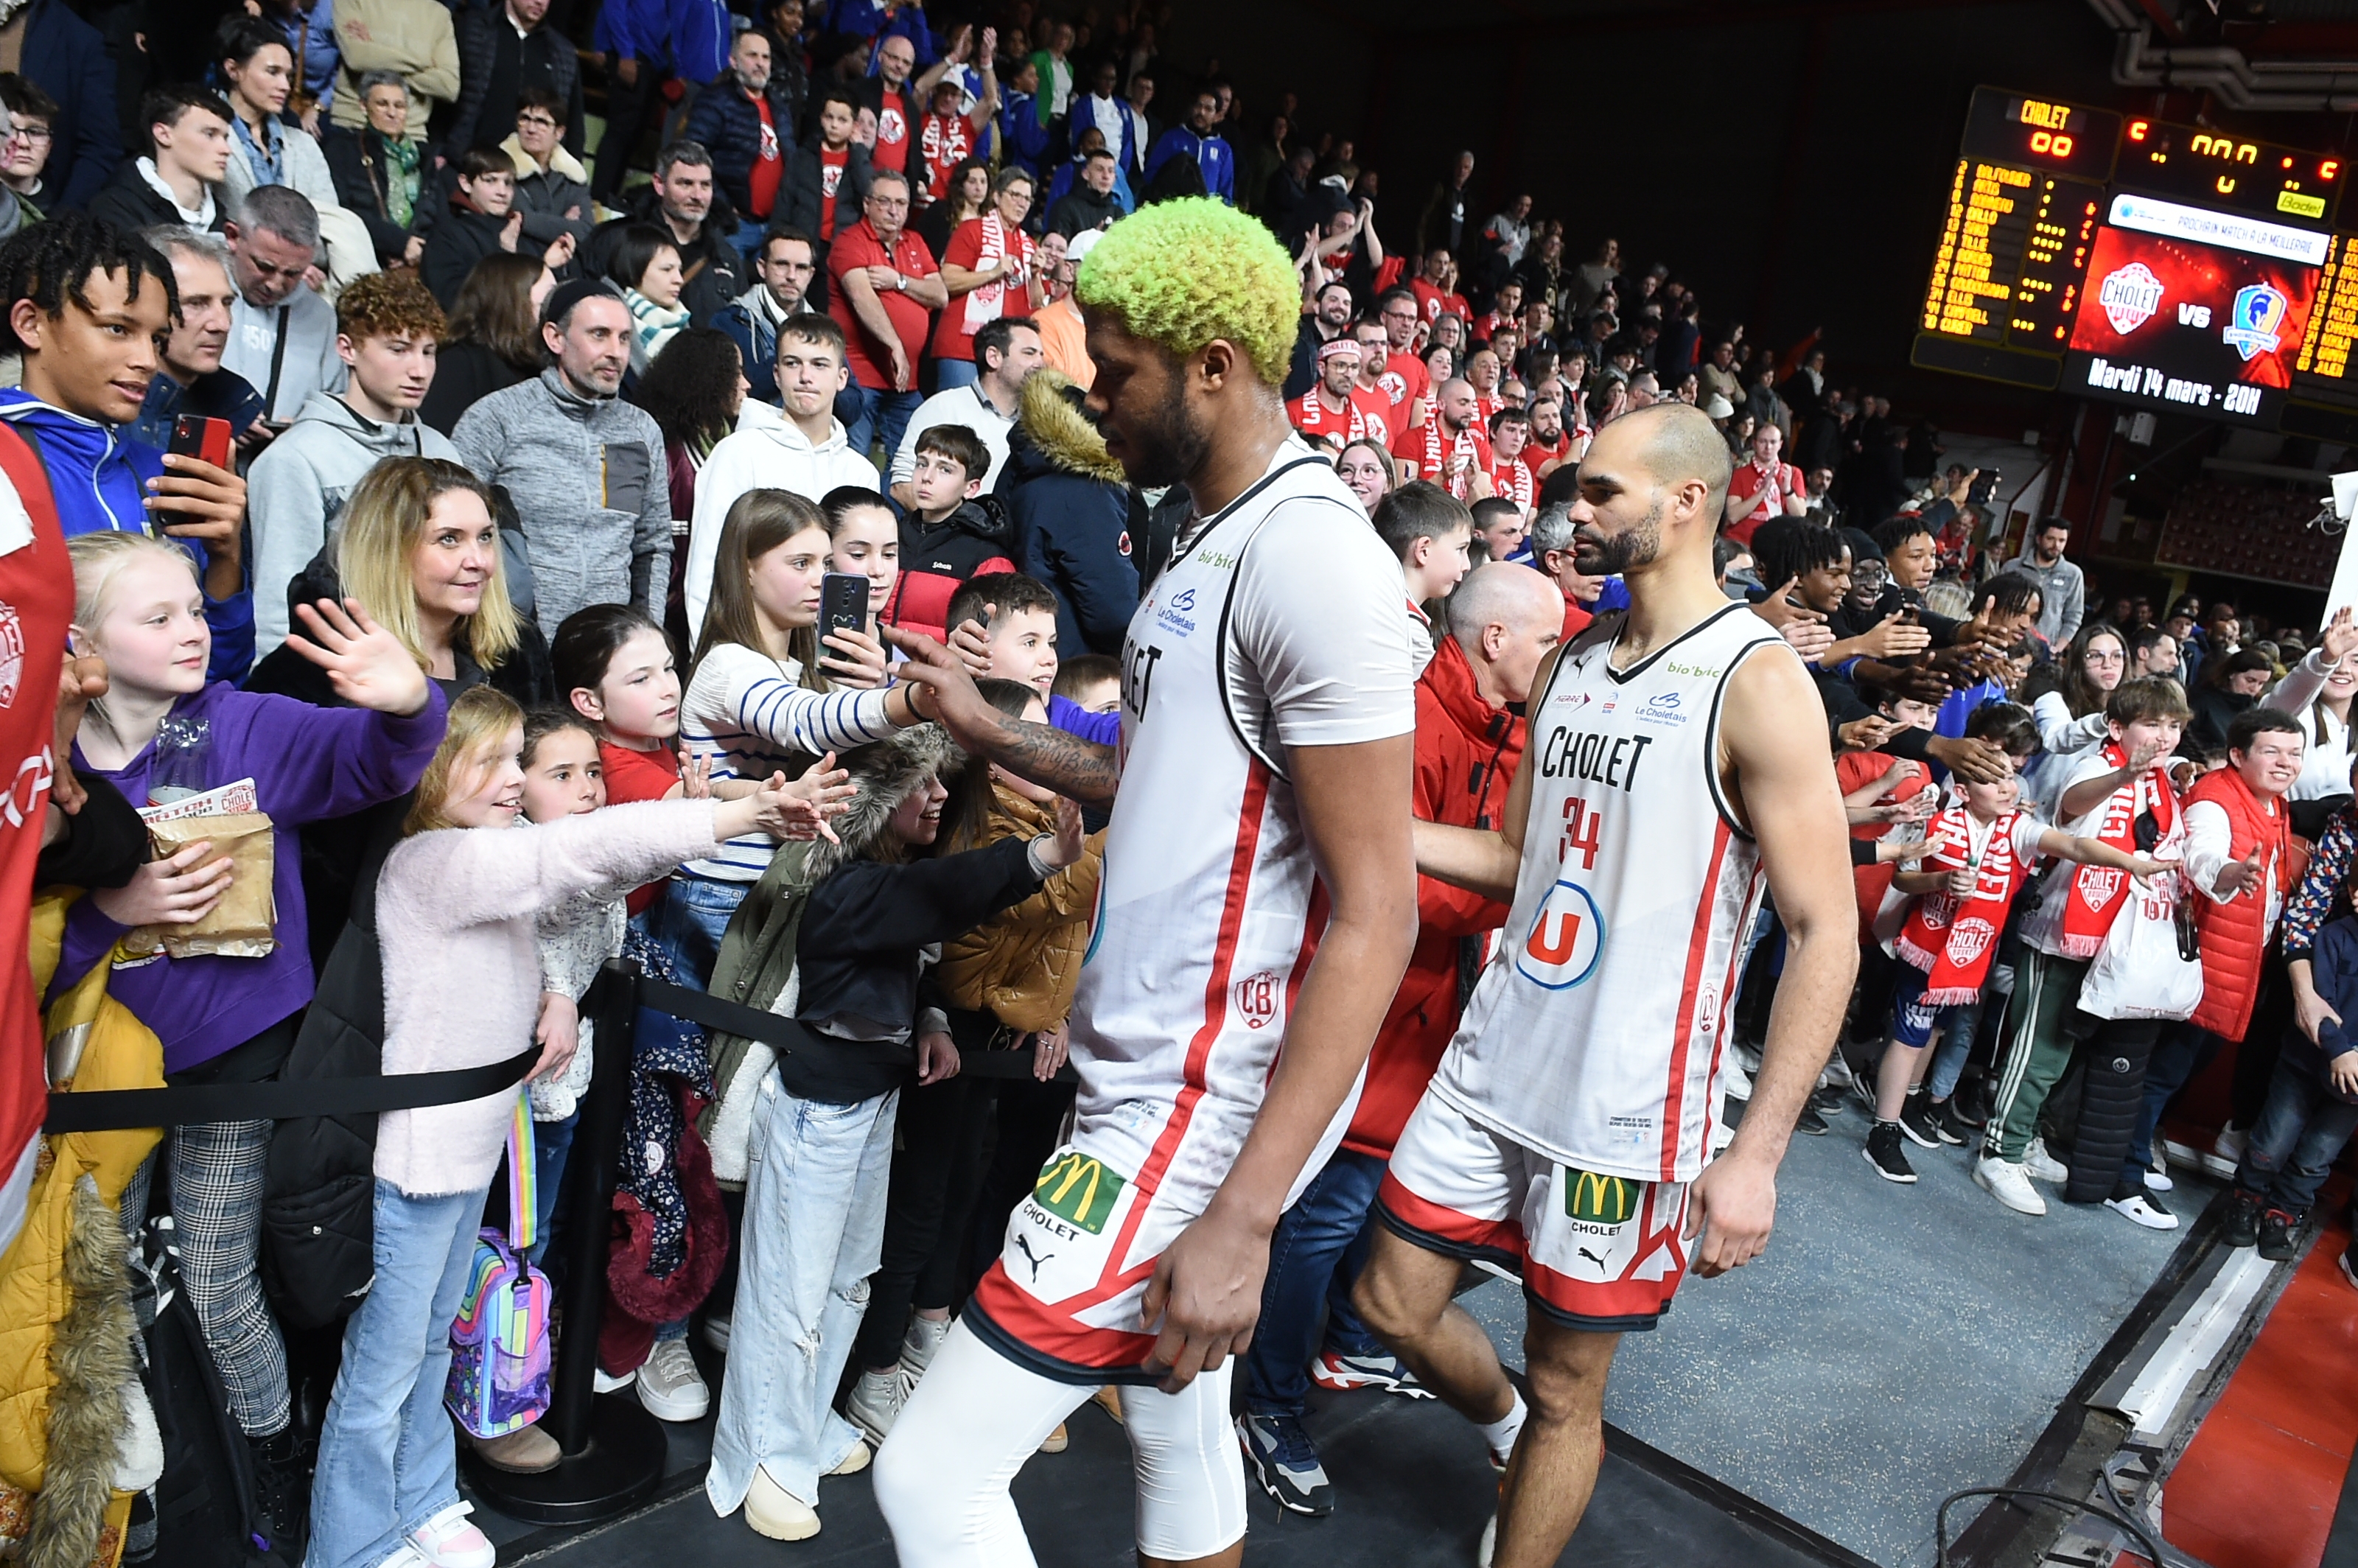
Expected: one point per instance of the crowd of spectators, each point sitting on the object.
(576, 452)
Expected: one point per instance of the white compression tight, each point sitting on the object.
(975, 1417)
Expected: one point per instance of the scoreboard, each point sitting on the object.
(2163, 266)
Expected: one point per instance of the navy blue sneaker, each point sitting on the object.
(1283, 1459)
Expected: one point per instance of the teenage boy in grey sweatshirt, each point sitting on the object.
(386, 328)
(586, 470)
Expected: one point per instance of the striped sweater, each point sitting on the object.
(752, 714)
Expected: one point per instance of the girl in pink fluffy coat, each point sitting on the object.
(455, 907)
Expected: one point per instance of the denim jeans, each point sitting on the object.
(387, 1460)
(687, 922)
(949, 373)
(815, 1180)
(1315, 1255)
(551, 1142)
(2183, 1051)
(869, 414)
(2301, 1128)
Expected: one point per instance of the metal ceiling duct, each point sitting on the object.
(2236, 80)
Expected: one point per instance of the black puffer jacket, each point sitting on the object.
(716, 273)
(937, 559)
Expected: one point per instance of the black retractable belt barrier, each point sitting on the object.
(108, 1111)
(614, 1450)
(784, 1035)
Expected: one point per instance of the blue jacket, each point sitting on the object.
(66, 58)
(866, 19)
(1071, 512)
(217, 395)
(1068, 175)
(1022, 139)
(99, 478)
(1212, 154)
(730, 125)
(633, 29)
(2333, 969)
(756, 341)
(700, 36)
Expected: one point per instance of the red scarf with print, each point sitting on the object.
(2099, 892)
(1953, 941)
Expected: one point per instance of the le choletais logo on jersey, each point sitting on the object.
(1178, 616)
(1664, 708)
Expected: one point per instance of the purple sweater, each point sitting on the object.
(308, 764)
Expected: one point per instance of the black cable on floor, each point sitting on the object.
(2152, 1548)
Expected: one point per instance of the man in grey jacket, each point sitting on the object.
(2063, 590)
(586, 470)
(387, 328)
(282, 335)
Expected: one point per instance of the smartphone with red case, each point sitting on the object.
(208, 441)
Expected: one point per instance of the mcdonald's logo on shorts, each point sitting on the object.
(1075, 1187)
(1598, 1200)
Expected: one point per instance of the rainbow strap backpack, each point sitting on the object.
(499, 1345)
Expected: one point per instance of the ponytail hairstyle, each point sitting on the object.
(479, 720)
(759, 522)
(586, 642)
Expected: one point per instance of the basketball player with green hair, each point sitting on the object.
(1257, 907)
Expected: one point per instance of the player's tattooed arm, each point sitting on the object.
(1049, 757)
(942, 690)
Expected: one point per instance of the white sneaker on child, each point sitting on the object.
(2226, 1152)
(670, 1385)
(1736, 1080)
(2044, 1166)
(924, 1337)
(450, 1541)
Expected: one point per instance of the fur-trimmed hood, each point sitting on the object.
(883, 773)
(1051, 434)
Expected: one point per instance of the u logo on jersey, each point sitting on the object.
(1566, 938)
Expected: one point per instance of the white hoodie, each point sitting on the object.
(763, 455)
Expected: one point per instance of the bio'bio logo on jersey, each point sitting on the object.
(1565, 939)
(1075, 1187)
(1592, 1199)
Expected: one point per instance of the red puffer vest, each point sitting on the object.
(2234, 934)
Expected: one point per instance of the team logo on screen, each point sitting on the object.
(2130, 296)
(2259, 311)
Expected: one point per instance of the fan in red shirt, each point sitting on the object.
(896, 57)
(1764, 488)
(1510, 476)
(1331, 414)
(1483, 371)
(1436, 291)
(1550, 442)
(991, 268)
(1399, 312)
(1509, 306)
(1449, 449)
(948, 138)
(884, 276)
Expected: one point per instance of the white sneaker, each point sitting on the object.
(715, 1331)
(2158, 1182)
(605, 1382)
(2042, 1165)
(1722, 1135)
(670, 1385)
(2226, 1152)
(2141, 1210)
(450, 1541)
(2009, 1184)
(404, 1556)
(876, 1400)
(917, 1346)
(778, 1513)
(1734, 1081)
(854, 1462)
(1746, 1056)
(1489, 1544)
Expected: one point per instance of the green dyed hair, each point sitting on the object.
(1180, 273)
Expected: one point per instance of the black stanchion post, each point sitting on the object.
(613, 1449)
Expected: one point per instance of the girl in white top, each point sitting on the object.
(763, 697)
(2070, 719)
(2317, 691)
(455, 910)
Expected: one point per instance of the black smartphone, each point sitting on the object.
(206, 439)
(1979, 492)
(842, 603)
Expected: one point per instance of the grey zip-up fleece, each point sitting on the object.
(295, 491)
(591, 485)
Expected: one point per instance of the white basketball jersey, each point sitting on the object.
(1276, 624)
(1594, 1034)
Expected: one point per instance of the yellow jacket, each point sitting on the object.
(65, 1313)
(1023, 965)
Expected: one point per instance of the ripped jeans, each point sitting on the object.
(816, 1182)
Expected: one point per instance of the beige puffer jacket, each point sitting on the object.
(1023, 968)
